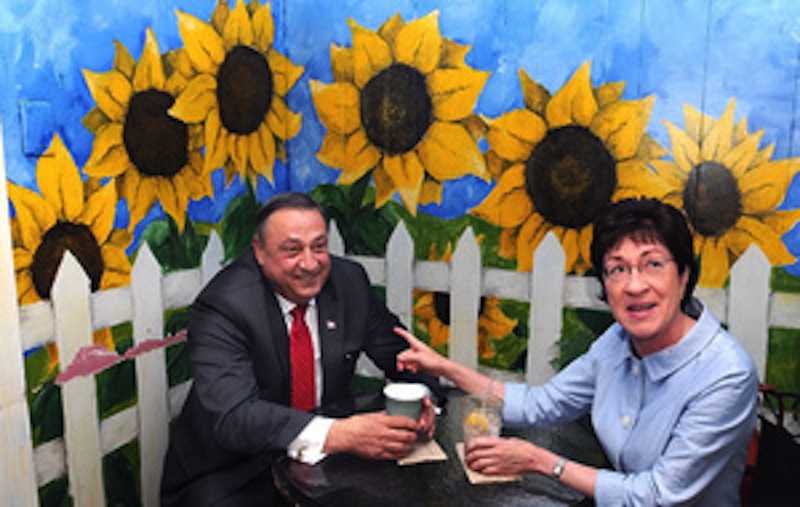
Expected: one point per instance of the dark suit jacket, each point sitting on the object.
(236, 420)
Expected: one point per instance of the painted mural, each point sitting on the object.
(157, 122)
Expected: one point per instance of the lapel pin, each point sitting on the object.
(331, 325)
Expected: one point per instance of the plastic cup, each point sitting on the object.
(481, 416)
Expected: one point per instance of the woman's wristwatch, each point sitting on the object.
(558, 469)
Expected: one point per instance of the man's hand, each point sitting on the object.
(426, 425)
(374, 435)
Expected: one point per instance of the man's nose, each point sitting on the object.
(307, 259)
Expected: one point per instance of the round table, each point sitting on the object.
(347, 480)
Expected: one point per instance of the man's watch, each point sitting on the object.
(558, 469)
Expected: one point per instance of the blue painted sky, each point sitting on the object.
(701, 53)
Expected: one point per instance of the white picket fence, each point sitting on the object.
(72, 314)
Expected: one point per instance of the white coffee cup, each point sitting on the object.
(404, 398)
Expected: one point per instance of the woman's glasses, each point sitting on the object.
(651, 268)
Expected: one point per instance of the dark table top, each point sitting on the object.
(346, 480)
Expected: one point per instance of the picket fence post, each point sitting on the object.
(400, 274)
(546, 310)
(465, 300)
(151, 372)
(17, 471)
(73, 326)
(748, 305)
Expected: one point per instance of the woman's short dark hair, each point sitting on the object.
(645, 220)
(284, 200)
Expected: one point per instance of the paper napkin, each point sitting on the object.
(422, 452)
(479, 478)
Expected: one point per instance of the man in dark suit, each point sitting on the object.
(238, 418)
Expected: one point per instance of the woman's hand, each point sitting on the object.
(419, 356)
(501, 456)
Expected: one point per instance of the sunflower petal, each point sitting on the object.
(388, 30)
(123, 61)
(262, 152)
(635, 178)
(283, 122)
(140, 194)
(453, 54)
(739, 159)
(492, 318)
(337, 106)
(513, 135)
(431, 192)
(26, 290)
(99, 212)
(419, 43)
(455, 91)
(609, 93)
(203, 44)
(717, 143)
(407, 174)
(59, 181)
(697, 124)
(782, 221)
(749, 230)
(574, 103)
(621, 126)
(449, 152)
(284, 73)
(714, 263)
(440, 333)
(341, 63)
(507, 244)
(23, 258)
(34, 215)
(360, 157)
(173, 199)
(216, 145)
(194, 103)
(112, 92)
(535, 95)
(530, 235)
(508, 204)
(238, 29)
(263, 27)
(685, 151)
(371, 54)
(109, 156)
(333, 149)
(764, 188)
(384, 186)
(149, 72)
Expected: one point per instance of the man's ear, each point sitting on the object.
(258, 250)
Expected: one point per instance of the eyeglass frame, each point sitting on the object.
(642, 267)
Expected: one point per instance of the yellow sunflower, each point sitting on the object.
(151, 155)
(237, 90)
(729, 190)
(432, 314)
(560, 159)
(401, 107)
(68, 215)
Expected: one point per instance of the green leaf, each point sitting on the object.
(174, 251)
(238, 224)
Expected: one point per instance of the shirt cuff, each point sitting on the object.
(307, 446)
(514, 403)
(607, 488)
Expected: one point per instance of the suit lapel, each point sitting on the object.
(331, 335)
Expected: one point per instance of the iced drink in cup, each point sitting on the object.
(481, 416)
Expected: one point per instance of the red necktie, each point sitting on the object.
(302, 356)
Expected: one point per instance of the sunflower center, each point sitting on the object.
(78, 239)
(396, 109)
(570, 176)
(712, 199)
(244, 90)
(156, 142)
(441, 306)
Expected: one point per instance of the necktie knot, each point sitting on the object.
(299, 312)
